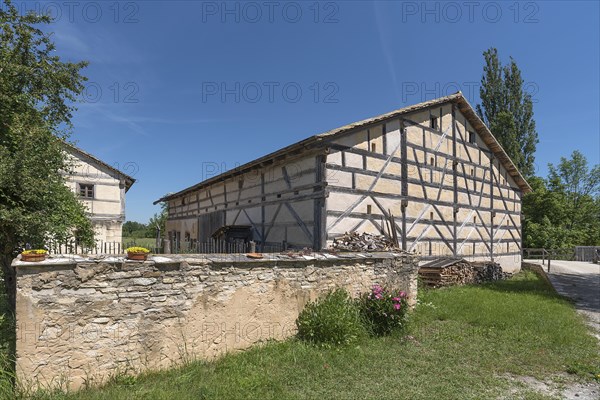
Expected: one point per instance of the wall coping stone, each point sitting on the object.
(57, 262)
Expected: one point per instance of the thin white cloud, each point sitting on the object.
(383, 41)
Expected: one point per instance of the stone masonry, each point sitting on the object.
(82, 320)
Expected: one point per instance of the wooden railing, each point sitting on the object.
(547, 255)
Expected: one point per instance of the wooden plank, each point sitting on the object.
(454, 182)
(404, 181)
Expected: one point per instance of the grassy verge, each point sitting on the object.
(7, 343)
(461, 343)
(148, 243)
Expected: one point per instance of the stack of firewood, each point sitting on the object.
(458, 273)
(450, 272)
(353, 241)
(488, 272)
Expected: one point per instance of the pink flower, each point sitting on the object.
(397, 299)
(378, 296)
(397, 306)
(402, 294)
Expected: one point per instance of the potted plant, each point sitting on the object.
(35, 255)
(137, 253)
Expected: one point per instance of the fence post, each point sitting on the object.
(543, 256)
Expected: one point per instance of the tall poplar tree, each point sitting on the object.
(507, 109)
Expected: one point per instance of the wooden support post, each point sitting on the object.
(262, 211)
(492, 178)
(404, 181)
(319, 204)
(454, 183)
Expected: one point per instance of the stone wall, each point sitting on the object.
(79, 321)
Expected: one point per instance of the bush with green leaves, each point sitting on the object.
(332, 320)
(383, 310)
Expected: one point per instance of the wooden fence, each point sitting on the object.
(72, 247)
(222, 247)
(176, 247)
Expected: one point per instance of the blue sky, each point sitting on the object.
(180, 90)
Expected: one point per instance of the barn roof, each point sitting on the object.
(315, 141)
(127, 180)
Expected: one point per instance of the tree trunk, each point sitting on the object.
(10, 280)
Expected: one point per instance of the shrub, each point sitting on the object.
(383, 310)
(332, 320)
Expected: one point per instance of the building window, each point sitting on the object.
(433, 122)
(368, 209)
(471, 137)
(86, 191)
(373, 147)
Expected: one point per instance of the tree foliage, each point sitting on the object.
(564, 210)
(507, 109)
(159, 220)
(136, 230)
(37, 91)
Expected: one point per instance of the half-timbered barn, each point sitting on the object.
(435, 167)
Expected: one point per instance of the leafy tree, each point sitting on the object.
(133, 229)
(508, 110)
(159, 221)
(37, 91)
(564, 210)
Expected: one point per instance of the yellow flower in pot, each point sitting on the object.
(137, 253)
(34, 255)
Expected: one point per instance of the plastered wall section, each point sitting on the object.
(81, 321)
(107, 208)
(363, 173)
(277, 202)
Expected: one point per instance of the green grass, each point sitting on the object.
(461, 342)
(7, 343)
(148, 243)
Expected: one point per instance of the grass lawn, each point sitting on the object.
(461, 343)
(148, 243)
(7, 343)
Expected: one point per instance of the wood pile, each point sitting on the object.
(449, 272)
(362, 242)
(489, 272)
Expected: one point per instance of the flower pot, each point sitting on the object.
(137, 256)
(33, 257)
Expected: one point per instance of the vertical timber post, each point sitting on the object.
(454, 183)
(319, 203)
(404, 180)
(492, 213)
(262, 211)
